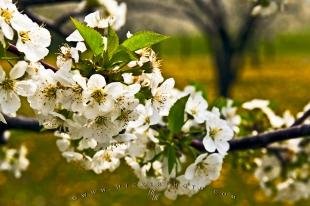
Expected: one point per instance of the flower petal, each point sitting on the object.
(96, 81)
(214, 159)
(75, 36)
(25, 88)
(200, 158)
(2, 119)
(2, 74)
(7, 31)
(11, 103)
(80, 46)
(222, 146)
(190, 172)
(18, 70)
(208, 143)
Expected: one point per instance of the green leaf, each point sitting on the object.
(113, 42)
(176, 115)
(144, 94)
(86, 67)
(122, 56)
(171, 154)
(92, 38)
(2, 50)
(143, 39)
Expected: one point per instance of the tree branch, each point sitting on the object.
(302, 118)
(246, 30)
(24, 123)
(20, 123)
(263, 139)
(250, 142)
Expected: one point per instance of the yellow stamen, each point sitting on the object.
(24, 35)
(7, 85)
(99, 96)
(6, 14)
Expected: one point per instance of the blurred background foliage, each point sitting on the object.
(276, 67)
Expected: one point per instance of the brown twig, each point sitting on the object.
(15, 51)
(302, 118)
(264, 139)
(251, 142)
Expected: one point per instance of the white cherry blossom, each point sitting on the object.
(218, 134)
(275, 120)
(96, 20)
(7, 12)
(268, 169)
(231, 116)
(205, 169)
(68, 55)
(147, 116)
(197, 106)
(11, 87)
(96, 96)
(162, 98)
(33, 40)
(45, 97)
(107, 159)
(116, 11)
(15, 160)
(72, 156)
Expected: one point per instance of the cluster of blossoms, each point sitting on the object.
(108, 102)
(114, 113)
(100, 123)
(13, 160)
(283, 170)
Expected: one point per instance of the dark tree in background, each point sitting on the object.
(228, 38)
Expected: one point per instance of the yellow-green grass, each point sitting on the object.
(284, 80)
(51, 181)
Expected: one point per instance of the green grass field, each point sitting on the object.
(50, 181)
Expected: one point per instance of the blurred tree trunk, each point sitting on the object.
(223, 59)
(225, 68)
